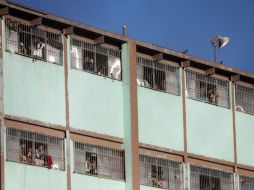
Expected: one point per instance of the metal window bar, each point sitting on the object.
(202, 178)
(99, 161)
(21, 38)
(244, 99)
(35, 149)
(207, 89)
(158, 76)
(161, 173)
(246, 183)
(96, 59)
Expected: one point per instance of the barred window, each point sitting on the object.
(204, 178)
(96, 59)
(35, 149)
(244, 99)
(158, 76)
(160, 173)
(207, 89)
(246, 183)
(99, 161)
(33, 41)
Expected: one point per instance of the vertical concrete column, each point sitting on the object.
(130, 117)
(186, 176)
(232, 98)
(236, 182)
(183, 92)
(66, 82)
(2, 128)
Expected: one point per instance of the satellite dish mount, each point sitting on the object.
(218, 42)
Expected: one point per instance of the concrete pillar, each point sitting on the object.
(130, 117)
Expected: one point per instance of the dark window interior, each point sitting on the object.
(209, 182)
(91, 163)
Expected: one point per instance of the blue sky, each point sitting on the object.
(175, 24)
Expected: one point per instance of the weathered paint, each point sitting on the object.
(34, 89)
(209, 130)
(95, 103)
(25, 177)
(160, 119)
(244, 138)
(81, 182)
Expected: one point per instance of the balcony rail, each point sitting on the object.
(161, 173)
(99, 161)
(207, 89)
(35, 149)
(246, 183)
(244, 99)
(158, 76)
(35, 42)
(96, 59)
(205, 178)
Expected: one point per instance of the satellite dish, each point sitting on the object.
(218, 41)
(223, 41)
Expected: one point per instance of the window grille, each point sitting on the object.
(96, 59)
(246, 183)
(207, 89)
(161, 173)
(210, 179)
(33, 41)
(99, 161)
(35, 149)
(158, 76)
(244, 99)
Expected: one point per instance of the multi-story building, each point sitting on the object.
(83, 108)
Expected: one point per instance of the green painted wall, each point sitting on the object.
(25, 177)
(81, 182)
(143, 187)
(34, 89)
(245, 138)
(160, 119)
(209, 130)
(95, 103)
